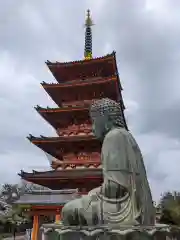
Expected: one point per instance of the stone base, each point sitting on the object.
(157, 232)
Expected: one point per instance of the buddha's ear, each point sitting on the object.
(108, 123)
(107, 126)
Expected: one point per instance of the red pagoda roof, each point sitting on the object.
(62, 109)
(57, 146)
(65, 179)
(40, 199)
(84, 61)
(84, 90)
(67, 71)
(64, 116)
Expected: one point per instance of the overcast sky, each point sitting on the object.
(146, 38)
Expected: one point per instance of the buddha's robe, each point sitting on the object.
(124, 197)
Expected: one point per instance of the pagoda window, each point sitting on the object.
(101, 95)
(60, 151)
(83, 156)
(59, 132)
(72, 129)
(74, 121)
(95, 156)
(77, 97)
(69, 157)
(99, 71)
(83, 77)
(64, 132)
(82, 129)
(87, 128)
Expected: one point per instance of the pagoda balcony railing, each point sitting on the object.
(79, 81)
(72, 130)
(78, 162)
(78, 103)
(75, 164)
(90, 79)
(81, 101)
(79, 158)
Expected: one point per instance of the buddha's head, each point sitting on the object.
(105, 115)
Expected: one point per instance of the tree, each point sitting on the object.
(29, 187)
(170, 206)
(11, 215)
(10, 192)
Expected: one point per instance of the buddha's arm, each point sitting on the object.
(113, 190)
(115, 165)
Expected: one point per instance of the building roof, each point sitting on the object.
(103, 66)
(65, 179)
(84, 90)
(55, 197)
(64, 116)
(62, 140)
(63, 174)
(80, 62)
(57, 146)
(62, 109)
(79, 82)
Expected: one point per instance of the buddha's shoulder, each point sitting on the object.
(117, 133)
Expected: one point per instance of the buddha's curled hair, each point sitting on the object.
(107, 107)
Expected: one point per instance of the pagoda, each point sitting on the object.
(75, 151)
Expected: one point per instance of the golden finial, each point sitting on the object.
(88, 37)
(89, 21)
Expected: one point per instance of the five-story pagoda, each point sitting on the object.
(75, 151)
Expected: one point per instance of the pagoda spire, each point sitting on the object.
(88, 36)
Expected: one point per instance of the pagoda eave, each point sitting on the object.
(70, 139)
(63, 110)
(45, 201)
(64, 72)
(79, 83)
(58, 146)
(69, 93)
(64, 116)
(60, 117)
(62, 174)
(65, 179)
(84, 61)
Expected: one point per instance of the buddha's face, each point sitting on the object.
(98, 127)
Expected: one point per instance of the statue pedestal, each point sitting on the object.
(157, 232)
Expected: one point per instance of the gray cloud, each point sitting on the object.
(146, 37)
